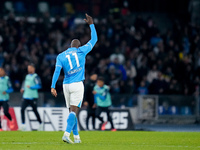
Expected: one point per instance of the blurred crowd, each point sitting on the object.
(132, 54)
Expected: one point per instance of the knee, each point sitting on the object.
(74, 109)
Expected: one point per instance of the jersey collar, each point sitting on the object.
(31, 74)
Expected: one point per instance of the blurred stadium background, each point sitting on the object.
(148, 52)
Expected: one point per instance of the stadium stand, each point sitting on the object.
(134, 53)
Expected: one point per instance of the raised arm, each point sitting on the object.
(90, 44)
(89, 21)
(93, 39)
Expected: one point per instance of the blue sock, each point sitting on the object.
(75, 128)
(70, 122)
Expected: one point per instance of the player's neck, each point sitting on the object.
(74, 47)
(31, 73)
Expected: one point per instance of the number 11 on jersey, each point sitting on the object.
(70, 62)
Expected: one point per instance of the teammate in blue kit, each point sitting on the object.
(72, 61)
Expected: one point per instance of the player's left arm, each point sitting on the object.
(106, 91)
(22, 87)
(38, 84)
(56, 75)
(10, 89)
(94, 92)
(102, 96)
(86, 93)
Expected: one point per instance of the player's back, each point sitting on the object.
(72, 61)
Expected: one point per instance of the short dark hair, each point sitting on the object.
(101, 78)
(31, 64)
(92, 73)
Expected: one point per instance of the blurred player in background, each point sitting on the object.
(89, 100)
(30, 89)
(72, 61)
(5, 90)
(103, 102)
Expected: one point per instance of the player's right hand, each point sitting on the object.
(94, 106)
(94, 92)
(54, 92)
(85, 104)
(22, 90)
(88, 19)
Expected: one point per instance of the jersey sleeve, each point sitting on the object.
(90, 44)
(23, 83)
(58, 62)
(95, 88)
(10, 89)
(55, 76)
(9, 83)
(37, 80)
(38, 84)
(107, 87)
(104, 94)
(56, 73)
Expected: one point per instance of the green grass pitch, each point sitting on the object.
(100, 140)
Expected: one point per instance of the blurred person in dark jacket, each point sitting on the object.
(89, 100)
(159, 85)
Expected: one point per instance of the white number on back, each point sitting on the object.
(76, 58)
(70, 62)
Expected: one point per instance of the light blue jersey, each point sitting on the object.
(5, 86)
(72, 61)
